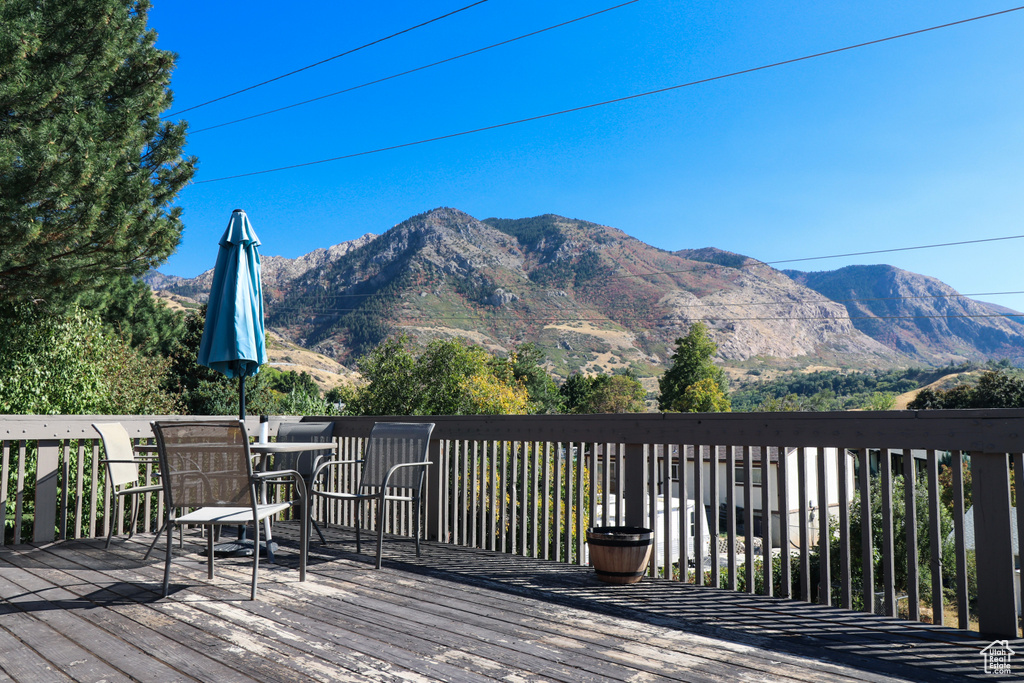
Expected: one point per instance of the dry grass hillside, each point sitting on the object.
(327, 373)
(943, 383)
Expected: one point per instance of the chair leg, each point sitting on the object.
(156, 537)
(135, 514)
(380, 531)
(110, 529)
(318, 532)
(255, 557)
(167, 560)
(417, 511)
(304, 546)
(359, 523)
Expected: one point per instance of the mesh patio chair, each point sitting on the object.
(394, 466)
(206, 467)
(123, 472)
(305, 462)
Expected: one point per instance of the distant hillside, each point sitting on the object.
(920, 315)
(592, 298)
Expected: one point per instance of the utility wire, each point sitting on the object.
(768, 303)
(785, 302)
(713, 319)
(612, 101)
(411, 71)
(755, 262)
(324, 61)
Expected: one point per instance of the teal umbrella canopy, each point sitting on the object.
(233, 337)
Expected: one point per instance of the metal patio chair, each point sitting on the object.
(305, 462)
(206, 467)
(394, 466)
(123, 470)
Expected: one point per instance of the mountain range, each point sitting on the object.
(593, 298)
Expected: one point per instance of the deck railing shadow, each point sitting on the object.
(871, 643)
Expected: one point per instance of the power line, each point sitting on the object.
(324, 61)
(411, 71)
(823, 300)
(726, 320)
(886, 251)
(755, 262)
(612, 101)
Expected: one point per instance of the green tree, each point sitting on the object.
(130, 309)
(899, 538)
(576, 392)
(389, 389)
(617, 394)
(527, 367)
(995, 389)
(704, 396)
(691, 363)
(72, 365)
(881, 400)
(620, 393)
(88, 169)
(450, 377)
(202, 391)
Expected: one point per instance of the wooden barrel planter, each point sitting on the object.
(620, 553)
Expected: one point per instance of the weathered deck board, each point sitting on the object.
(74, 611)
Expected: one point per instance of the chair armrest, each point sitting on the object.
(282, 477)
(329, 463)
(134, 461)
(387, 477)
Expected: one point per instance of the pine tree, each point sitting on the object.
(87, 168)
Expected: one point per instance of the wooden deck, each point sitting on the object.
(72, 611)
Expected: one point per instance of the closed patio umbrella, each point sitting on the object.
(233, 337)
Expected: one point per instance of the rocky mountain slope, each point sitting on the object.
(919, 315)
(590, 296)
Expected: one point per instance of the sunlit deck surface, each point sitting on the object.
(74, 611)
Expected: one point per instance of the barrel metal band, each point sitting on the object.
(618, 542)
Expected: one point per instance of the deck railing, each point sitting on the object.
(774, 497)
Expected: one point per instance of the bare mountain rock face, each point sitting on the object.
(919, 315)
(590, 296)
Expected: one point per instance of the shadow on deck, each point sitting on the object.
(453, 614)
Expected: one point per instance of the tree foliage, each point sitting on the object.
(71, 365)
(620, 393)
(692, 363)
(129, 308)
(995, 389)
(527, 367)
(202, 391)
(617, 394)
(88, 169)
(704, 396)
(451, 377)
(837, 389)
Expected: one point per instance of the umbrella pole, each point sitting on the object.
(241, 398)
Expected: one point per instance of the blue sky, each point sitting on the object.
(910, 142)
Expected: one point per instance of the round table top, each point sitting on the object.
(264, 447)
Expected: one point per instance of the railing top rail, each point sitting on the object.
(32, 427)
(992, 431)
